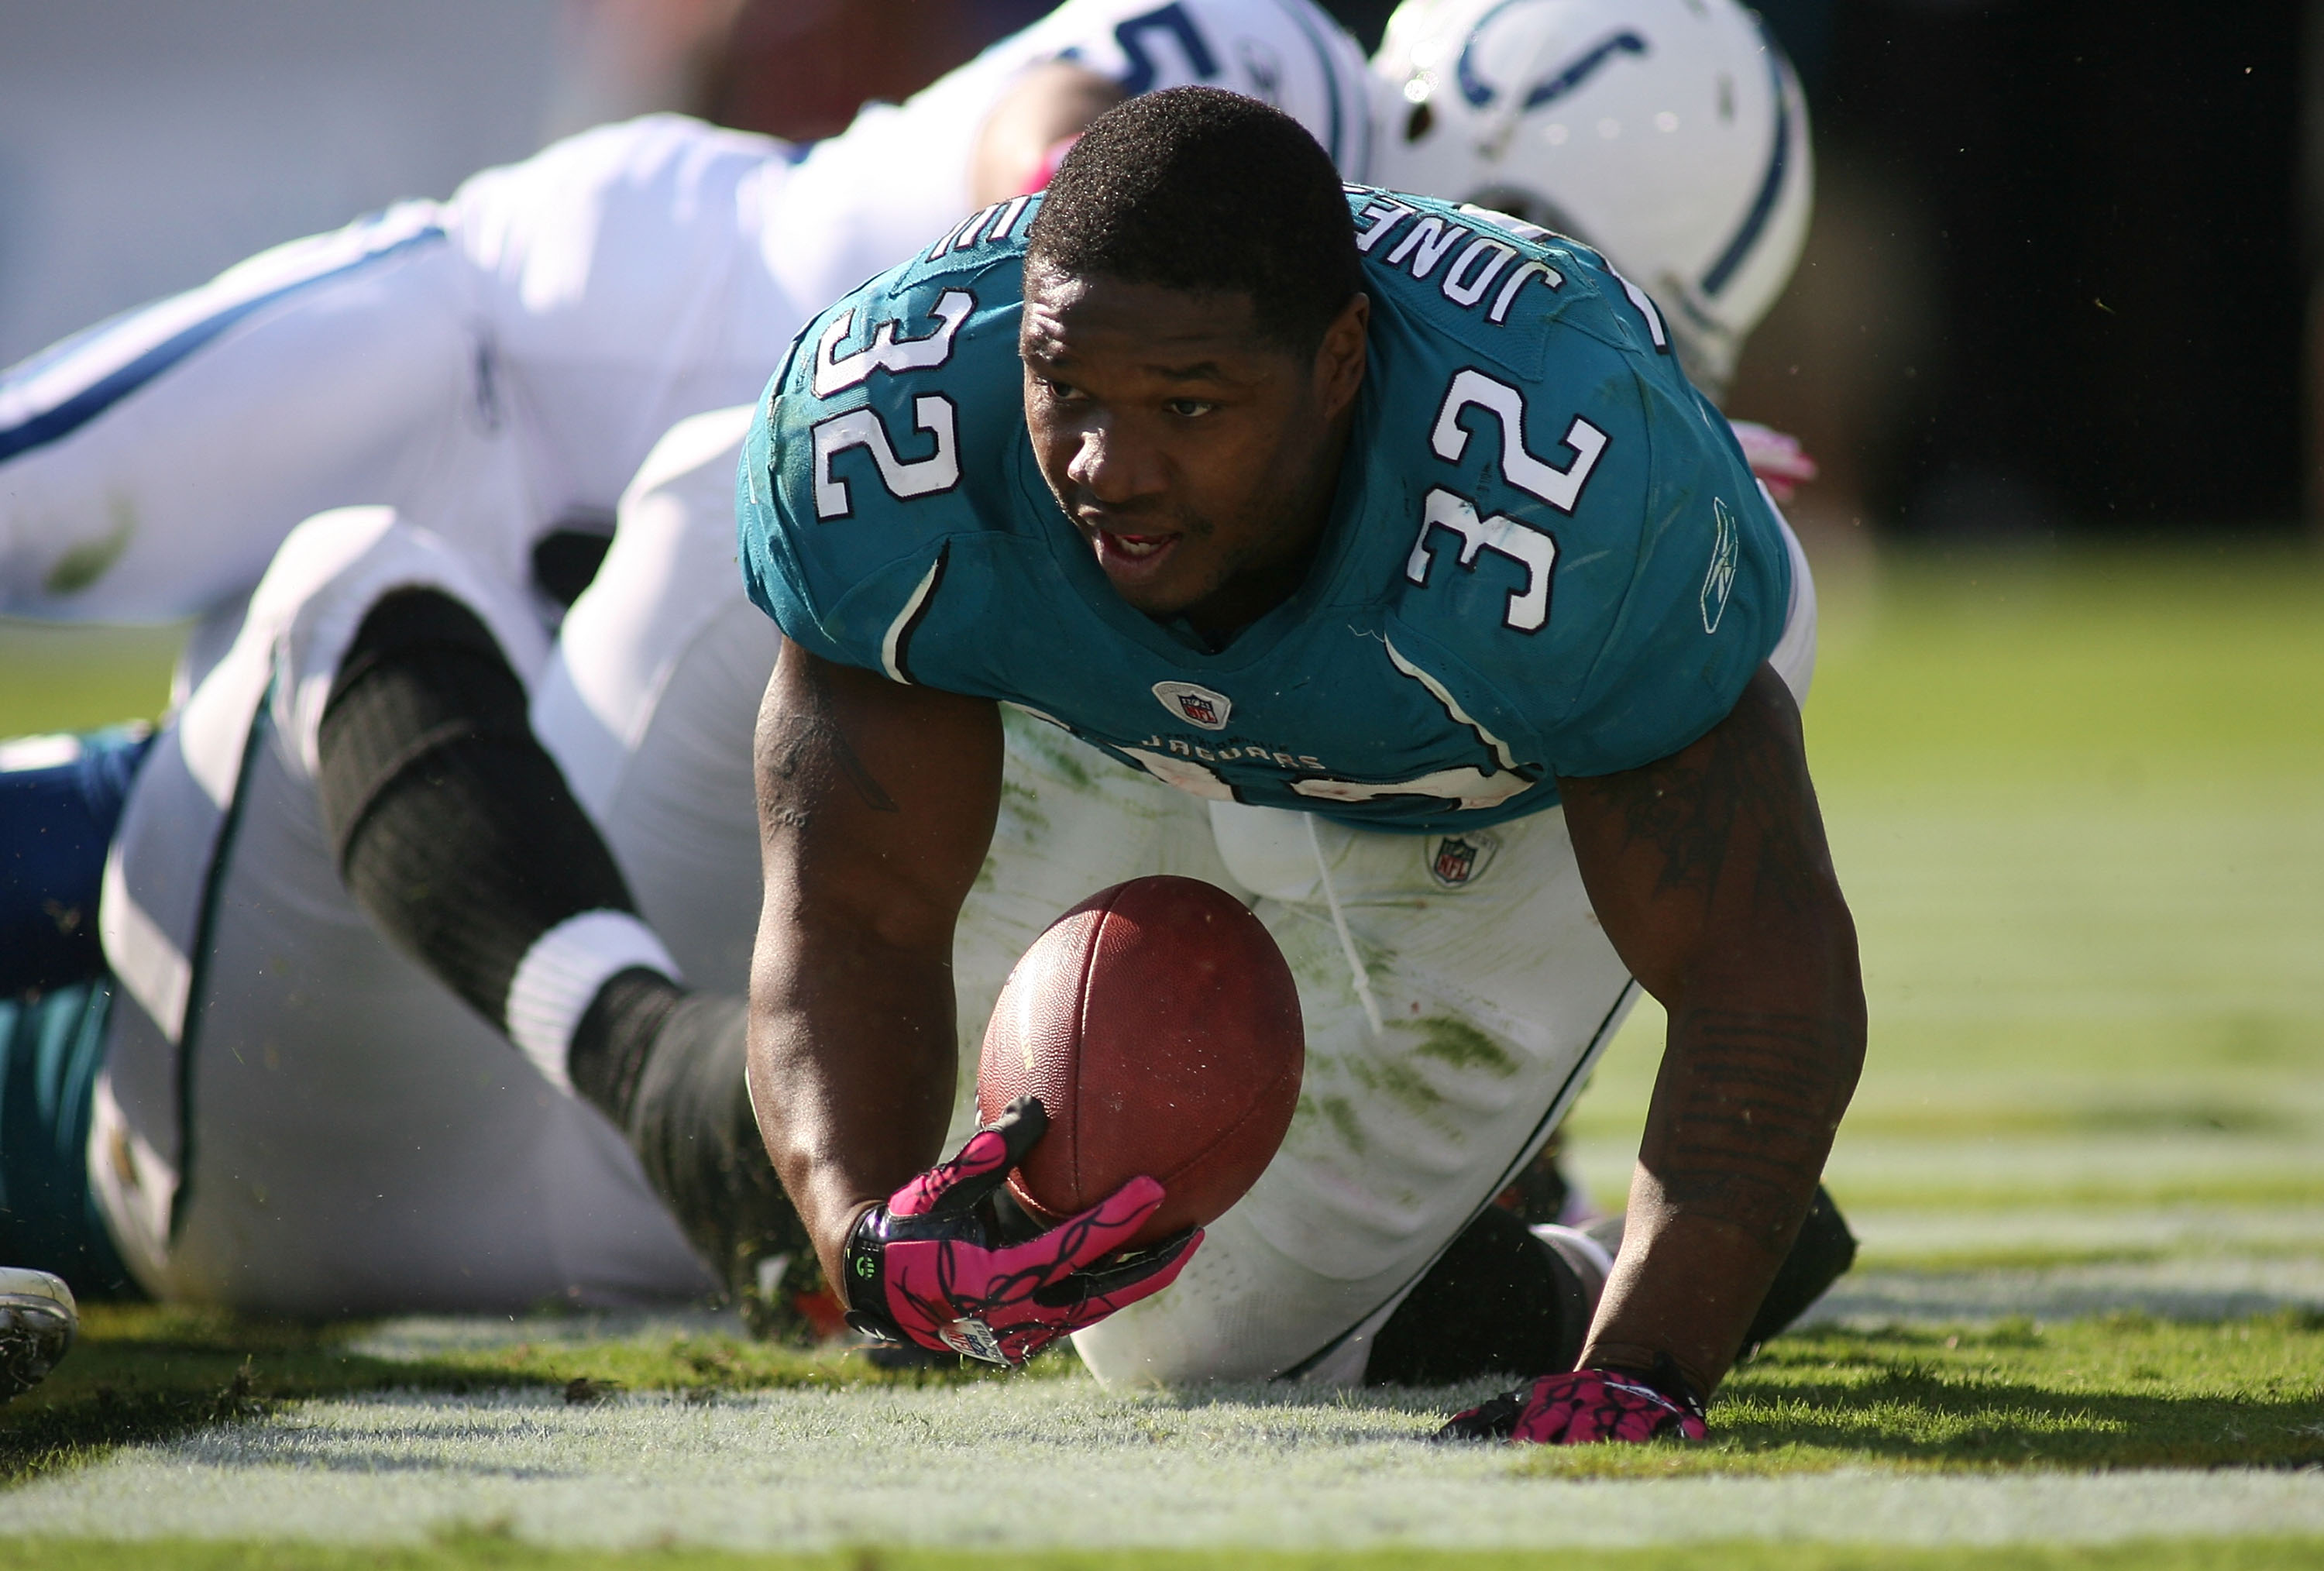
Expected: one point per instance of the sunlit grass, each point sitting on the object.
(487, 1550)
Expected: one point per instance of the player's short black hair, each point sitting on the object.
(1201, 189)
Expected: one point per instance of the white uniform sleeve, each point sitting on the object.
(491, 366)
(898, 177)
(149, 467)
(623, 271)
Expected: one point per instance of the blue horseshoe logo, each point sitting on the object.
(1480, 92)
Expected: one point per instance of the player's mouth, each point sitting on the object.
(1131, 557)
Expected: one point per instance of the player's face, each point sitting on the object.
(1196, 458)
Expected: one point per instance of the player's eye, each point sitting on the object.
(1189, 408)
(1062, 392)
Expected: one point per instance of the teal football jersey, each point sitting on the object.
(1546, 555)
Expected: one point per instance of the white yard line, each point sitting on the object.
(2190, 1288)
(1048, 1462)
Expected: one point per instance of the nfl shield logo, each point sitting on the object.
(1456, 860)
(1200, 706)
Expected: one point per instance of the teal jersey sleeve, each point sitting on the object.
(892, 429)
(1708, 592)
(1593, 554)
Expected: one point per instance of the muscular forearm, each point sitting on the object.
(876, 803)
(1711, 872)
(852, 1072)
(1742, 1121)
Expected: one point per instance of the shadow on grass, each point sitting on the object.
(2113, 1393)
(2121, 1391)
(145, 1374)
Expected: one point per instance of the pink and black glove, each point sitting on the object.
(1585, 1407)
(932, 1265)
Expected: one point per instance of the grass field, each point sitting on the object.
(2077, 799)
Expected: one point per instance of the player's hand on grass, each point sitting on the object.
(932, 1266)
(1582, 1408)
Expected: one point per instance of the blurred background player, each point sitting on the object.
(638, 755)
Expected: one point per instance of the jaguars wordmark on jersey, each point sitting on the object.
(1545, 556)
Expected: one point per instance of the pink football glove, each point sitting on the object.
(931, 1265)
(1581, 1408)
(1778, 459)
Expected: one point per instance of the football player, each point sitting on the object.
(1320, 532)
(293, 1113)
(647, 771)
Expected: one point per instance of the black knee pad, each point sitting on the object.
(452, 827)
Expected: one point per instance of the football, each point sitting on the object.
(1159, 1024)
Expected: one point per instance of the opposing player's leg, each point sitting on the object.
(456, 833)
(294, 1114)
(651, 695)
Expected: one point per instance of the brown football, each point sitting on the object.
(1159, 1026)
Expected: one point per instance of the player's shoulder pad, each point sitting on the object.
(1592, 545)
(892, 427)
(1499, 287)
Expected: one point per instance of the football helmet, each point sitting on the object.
(1670, 135)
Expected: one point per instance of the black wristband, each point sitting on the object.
(860, 1262)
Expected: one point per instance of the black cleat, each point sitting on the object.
(38, 1320)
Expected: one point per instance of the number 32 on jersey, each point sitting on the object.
(932, 412)
(1533, 549)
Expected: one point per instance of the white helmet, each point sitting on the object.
(1670, 135)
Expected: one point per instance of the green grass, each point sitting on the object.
(76, 679)
(489, 1552)
(2112, 1393)
(145, 1373)
(2077, 801)
(2121, 1392)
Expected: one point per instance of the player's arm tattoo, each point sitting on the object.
(1741, 1132)
(1739, 788)
(1710, 871)
(803, 748)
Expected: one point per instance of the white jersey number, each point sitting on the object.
(932, 412)
(861, 427)
(835, 374)
(1561, 488)
(1530, 548)
(1529, 607)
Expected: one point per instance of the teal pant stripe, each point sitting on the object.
(51, 1050)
